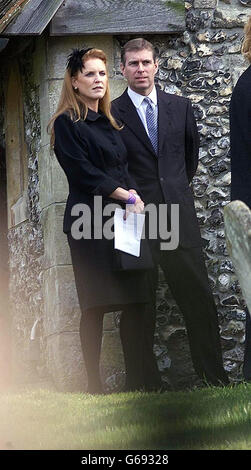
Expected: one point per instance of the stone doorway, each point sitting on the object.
(5, 349)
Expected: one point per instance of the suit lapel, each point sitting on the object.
(131, 118)
(164, 118)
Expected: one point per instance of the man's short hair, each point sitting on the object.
(137, 44)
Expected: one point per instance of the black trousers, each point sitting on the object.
(186, 275)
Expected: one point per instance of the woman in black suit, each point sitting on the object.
(88, 146)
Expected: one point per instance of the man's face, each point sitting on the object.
(139, 70)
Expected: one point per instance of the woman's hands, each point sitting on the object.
(135, 208)
(123, 195)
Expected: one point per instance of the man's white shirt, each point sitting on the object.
(141, 105)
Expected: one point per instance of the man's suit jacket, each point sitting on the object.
(240, 139)
(164, 178)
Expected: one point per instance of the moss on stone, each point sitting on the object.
(178, 6)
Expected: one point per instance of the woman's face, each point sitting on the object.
(91, 82)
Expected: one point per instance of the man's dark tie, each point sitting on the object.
(152, 123)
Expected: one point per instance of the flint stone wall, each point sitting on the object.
(203, 64)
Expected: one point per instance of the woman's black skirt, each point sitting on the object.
(98, 284)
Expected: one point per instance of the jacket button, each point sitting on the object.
(161, 179)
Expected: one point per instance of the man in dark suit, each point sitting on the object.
(240, 149)
(162, 141)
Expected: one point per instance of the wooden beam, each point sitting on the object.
(118, 17)
(34, 18)
(14, 8)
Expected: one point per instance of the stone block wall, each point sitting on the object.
(202, 64)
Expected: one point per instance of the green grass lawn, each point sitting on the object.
(208, 418)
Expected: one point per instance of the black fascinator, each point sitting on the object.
(74, 60)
